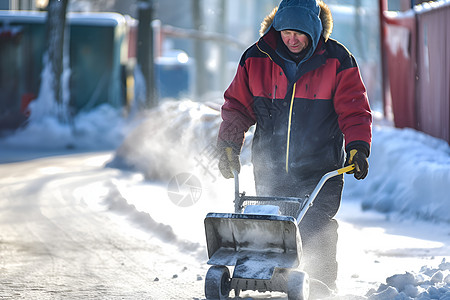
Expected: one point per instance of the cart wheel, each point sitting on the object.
(298, 286)
(217, 283)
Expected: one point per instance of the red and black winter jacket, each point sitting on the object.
(301, 126)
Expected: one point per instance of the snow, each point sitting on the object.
(262, 209)
(101, 129)
(403, 201)
(99, 19)
(428, 283)
(428, 6)
(409, 174)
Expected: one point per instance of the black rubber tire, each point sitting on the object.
(298, 286)
(217, 283)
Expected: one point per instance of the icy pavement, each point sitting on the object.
(54, 245)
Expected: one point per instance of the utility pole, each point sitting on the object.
(145, 51)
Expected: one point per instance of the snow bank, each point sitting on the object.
(177, 136)
(102, 128)
(427, 284)
(168, 139)
(409, 174)
(115, 202)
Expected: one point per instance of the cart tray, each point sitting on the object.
(255, 244)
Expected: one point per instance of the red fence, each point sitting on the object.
(417, 53)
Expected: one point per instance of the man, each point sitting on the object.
(304, 92)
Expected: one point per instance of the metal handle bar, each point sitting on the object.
(236, 190)
(311, 198)
(319, 186)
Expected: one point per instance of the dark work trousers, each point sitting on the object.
(318, 229)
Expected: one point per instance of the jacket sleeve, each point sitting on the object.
(237, 112)
(352, 105)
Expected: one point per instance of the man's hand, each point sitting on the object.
(229, 161)
(358, 156)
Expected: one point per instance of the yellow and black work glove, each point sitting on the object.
(358, 156)
(229, 161)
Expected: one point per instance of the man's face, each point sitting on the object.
(294, 40)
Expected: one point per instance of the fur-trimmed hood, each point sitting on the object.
(325, 16)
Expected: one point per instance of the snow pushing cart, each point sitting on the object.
(262, 241)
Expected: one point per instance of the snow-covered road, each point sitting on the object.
(64, 234)
(55, 245)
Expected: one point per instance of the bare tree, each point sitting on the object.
(56, 21)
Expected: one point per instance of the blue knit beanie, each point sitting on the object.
(300, 15)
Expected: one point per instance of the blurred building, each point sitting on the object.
(18, 4)
(98, 62)
(216, 32)
(416, 74)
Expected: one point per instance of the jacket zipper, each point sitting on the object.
(289, 128)
(264, 52)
